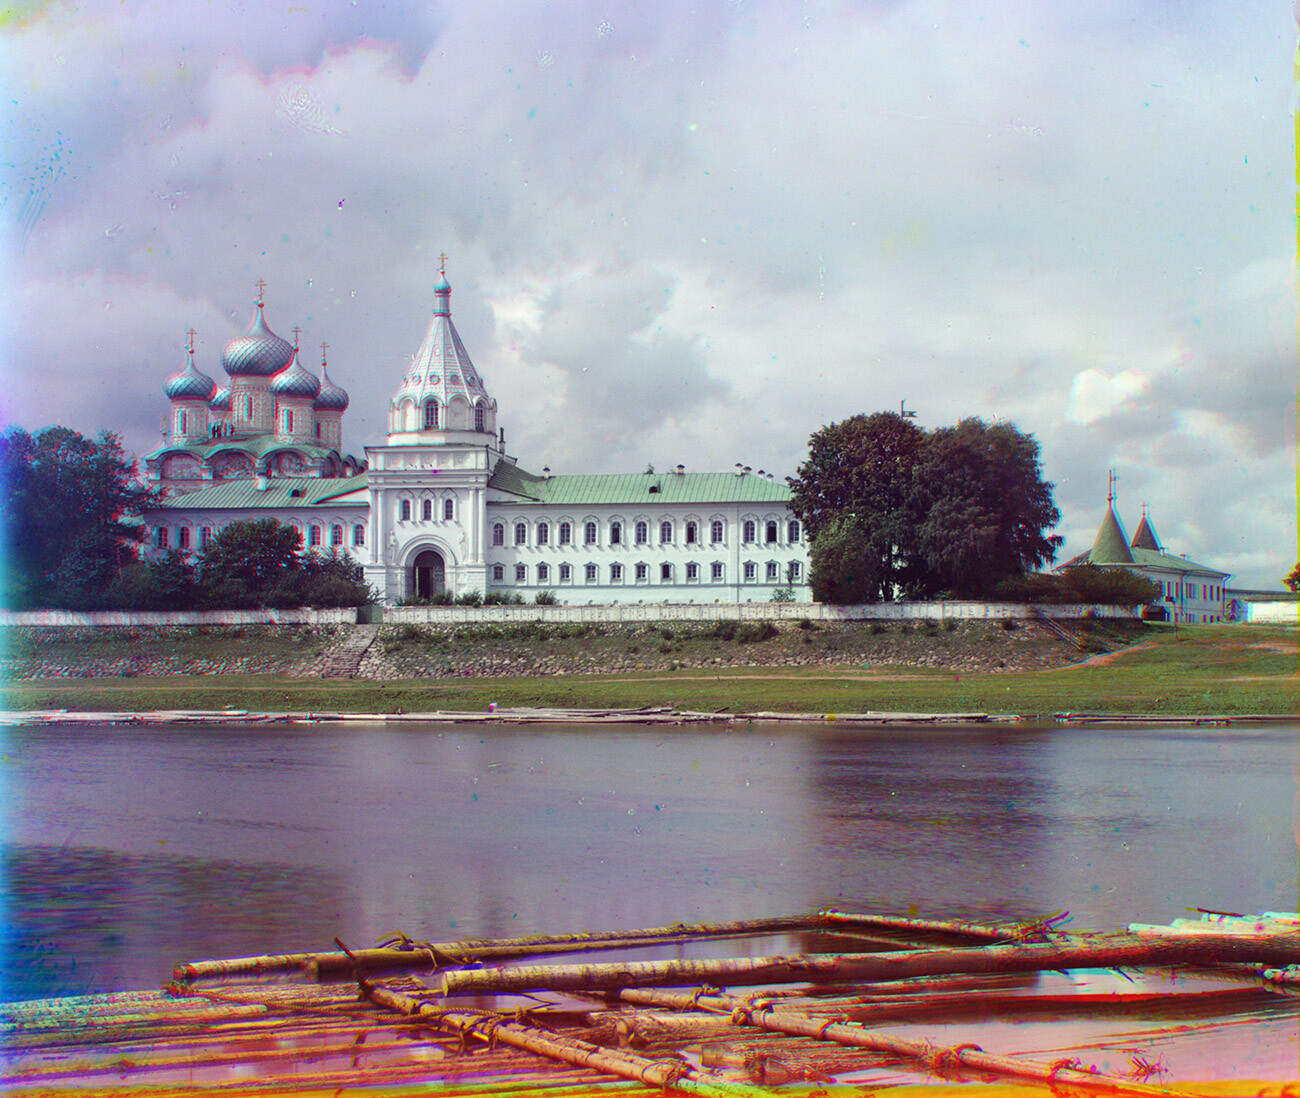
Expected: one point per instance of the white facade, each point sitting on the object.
(442, 507)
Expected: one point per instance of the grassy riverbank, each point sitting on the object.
(1197, 671)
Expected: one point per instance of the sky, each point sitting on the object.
(687, 232)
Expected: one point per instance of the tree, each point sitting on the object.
(843, 567)
(253, 563)
(864, 468)
(335, 580)
(68, 505)
(987, 508)
(1292, 580)
(957, 510)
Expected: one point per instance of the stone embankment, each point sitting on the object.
(409, 651)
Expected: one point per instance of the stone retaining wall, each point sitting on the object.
(346, 615)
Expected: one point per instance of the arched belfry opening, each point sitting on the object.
(429, 575)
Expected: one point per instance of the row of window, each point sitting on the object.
(432, 415)
(315, 536)
(641, 573)
(426, 510)
(1208, 592)
(691, 533)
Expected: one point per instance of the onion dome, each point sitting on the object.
(190, 383)
(296, 381)
(332, 398)
(259, 352)
(220, 401)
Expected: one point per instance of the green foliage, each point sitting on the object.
(545, 598)
(845, 568)
(1081, 584)
(755, 632)
(470, 598)
(891, 509)
(66, 534)
(1292, 580)
(503, 598)
(783, 594)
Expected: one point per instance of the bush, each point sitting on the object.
(545, 598)
(754, 632)
(1010, 624)
(949, 625)
(503, 598)
(783, 594)
(470, 598)
(725, 630)
(927, 627)
(805, 624)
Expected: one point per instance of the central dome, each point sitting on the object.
(259, 352)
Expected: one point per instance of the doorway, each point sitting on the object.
(430, 574)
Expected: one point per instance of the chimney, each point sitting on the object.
(740, 470)
(261, 482)
(681, 470)
(546, 472)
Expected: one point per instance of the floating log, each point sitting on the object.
(1112, 951)
(797, 1024)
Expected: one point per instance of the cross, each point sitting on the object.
(442, 263)
(1110, 488)
(296, 333)
(323, 347)
(261, 285)
(191, 333)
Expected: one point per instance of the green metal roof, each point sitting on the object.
(1152, 558)
(279, 492)
(636, 488)
(255, 444)
(1110, 546)
(1145, 538)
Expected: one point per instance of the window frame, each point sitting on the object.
(498, 534)
(426, 510)
(521, 533)
(404, 511)
(543, 533)
(717, 532)
(590, 533)
(449, 509)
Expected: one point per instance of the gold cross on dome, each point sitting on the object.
(261, 287)
(191, 333)
(296, 333)
(442, 263)
(323, 348)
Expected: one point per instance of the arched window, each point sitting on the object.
(448, 509)
(665, 532)
(616, 533)
(205, 536)
(716, 532)
(480, 418)
(566, 533)
(318, 430)
(521, 533)
(543, 533)
(183, 538)
(427, 510)
(692, 533)
(431, 414)
(313, 537)
(498, 533)
(792, 531)
(642, 533)
(358, 535)
(406, 510)
(749, 531)
(180, 422)
(336, 534)
(162, 537)
(248, 408)
(288, 420)
(589, 535)
(771, 533)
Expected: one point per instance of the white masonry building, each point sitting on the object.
(440, 506)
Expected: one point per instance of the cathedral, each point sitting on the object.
(440, 506)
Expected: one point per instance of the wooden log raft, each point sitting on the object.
(1109, 951)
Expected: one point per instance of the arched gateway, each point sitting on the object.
(429, 576)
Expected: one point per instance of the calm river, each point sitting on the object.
(129, 849)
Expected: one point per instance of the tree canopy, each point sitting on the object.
(956, 510)
(68, 502)
(1292, 580)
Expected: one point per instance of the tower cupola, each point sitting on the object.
(189, 391)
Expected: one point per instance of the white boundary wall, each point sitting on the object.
(1272, 612)
(346, 615)
(628, 612)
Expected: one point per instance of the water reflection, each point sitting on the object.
(135, 848)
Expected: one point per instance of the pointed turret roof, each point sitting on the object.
(1145, 538)
(1111, 545)
(441, 368)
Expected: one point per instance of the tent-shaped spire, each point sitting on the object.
(1111, 544)
(1145, 538)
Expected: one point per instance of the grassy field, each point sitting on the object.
(1197, 671)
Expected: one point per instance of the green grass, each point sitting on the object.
(1198, 671)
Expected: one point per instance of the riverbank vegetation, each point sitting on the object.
(1195, 671)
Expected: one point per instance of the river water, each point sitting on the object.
(129, 849)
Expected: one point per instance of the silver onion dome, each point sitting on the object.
(220, 401)
(190, 383)
(331, 397)
(259, 352)
(296, 381)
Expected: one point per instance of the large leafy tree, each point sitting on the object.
(957, 510)
(253, 563)
(864, 469)
(987, 508)
(1292, 580)
(69, 502)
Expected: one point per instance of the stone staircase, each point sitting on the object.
(344, 661)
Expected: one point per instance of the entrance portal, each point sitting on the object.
(430, 574)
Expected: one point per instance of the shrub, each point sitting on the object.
(927, 627)
(875, 628)
(754, 632)
(1010, 624)
(470, 598)
(545, 598)
(949, 625)
(783, 594)
(725, 630)
(503, 598)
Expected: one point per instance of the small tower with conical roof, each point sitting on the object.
(1145, 537)
(251, 360)
(441, 397)
(189, 391)
(1111, 543)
